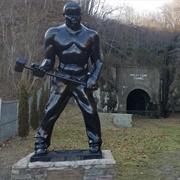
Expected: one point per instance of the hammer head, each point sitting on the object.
(20, 64)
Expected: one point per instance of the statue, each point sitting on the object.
(73, 44)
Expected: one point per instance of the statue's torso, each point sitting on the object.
(73, 50)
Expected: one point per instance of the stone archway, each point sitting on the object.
(138, 102)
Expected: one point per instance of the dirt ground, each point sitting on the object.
(15, 149)
(165, 166)
(10, 153)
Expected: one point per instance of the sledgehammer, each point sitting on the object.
(20, 65)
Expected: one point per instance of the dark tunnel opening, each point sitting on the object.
(138, 102)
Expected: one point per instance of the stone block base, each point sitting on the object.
(120, 120)
(92, 169)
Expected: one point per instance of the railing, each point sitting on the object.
(9, 115)
(138, 113)
(8, 119)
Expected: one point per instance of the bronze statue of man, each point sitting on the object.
(73, 44)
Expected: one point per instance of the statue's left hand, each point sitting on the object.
(37, 70)
(92, 82)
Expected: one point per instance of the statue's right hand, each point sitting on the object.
(92, 83)
(37, 70)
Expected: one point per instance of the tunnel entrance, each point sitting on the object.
(138, 102)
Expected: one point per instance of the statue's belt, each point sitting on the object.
(72, 67)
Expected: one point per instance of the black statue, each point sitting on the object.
(73, 44)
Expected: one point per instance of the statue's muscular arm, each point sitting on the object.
(96, 55)
(96, 62)
(50, 54)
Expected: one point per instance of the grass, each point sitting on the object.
(149, 150)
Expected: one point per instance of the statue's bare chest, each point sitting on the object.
(65, 40)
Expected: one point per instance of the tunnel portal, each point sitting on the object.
(138, 102)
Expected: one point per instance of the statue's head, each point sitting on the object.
(72, 14)
(72, 8)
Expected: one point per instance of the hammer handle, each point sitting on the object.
(53, 75)
(71, 80)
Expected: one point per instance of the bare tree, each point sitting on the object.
(171, 16)
(23, 24)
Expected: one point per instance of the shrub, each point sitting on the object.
(23, 112)
(41, 103)
(34, 112)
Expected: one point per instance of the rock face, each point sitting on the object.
(173, 59)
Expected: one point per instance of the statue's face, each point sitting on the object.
(72, 14)
(73, 21)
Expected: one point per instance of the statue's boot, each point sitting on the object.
(40, 145)
(94, 142)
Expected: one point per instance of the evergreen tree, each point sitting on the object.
(34, 112)
(41, 103)
(23, 112)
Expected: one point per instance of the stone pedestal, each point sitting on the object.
(86, 169)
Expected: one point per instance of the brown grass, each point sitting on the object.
(149, 150)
